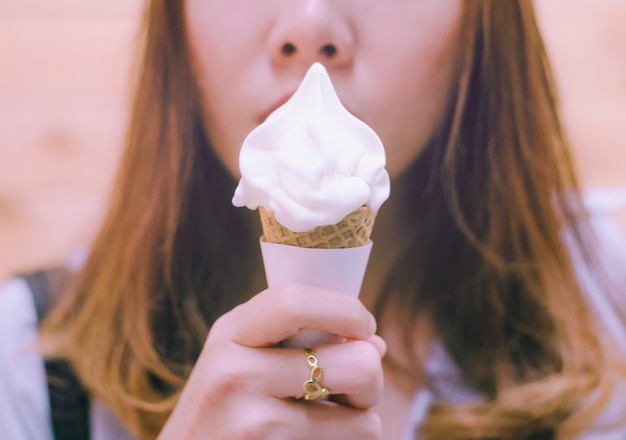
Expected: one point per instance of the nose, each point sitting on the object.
(309, 31)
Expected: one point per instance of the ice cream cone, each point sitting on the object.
(313, 149)
(353, 231)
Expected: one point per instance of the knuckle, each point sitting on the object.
(225, 384)
(372, 426)
(217, 328)
(231, 381)
(260, 424)
(224, 379)
(366, 358)
(287, 300)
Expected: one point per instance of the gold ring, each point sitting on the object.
(313, 388)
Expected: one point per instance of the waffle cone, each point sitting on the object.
(353, 231)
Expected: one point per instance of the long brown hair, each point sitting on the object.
(167, 261)
(490, 202)
(493, 194)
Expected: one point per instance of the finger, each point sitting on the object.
(306, 420)
(340, 422)
(351, 369)
(332, 421)
(354, 371)
(277, 314)
(379, 343)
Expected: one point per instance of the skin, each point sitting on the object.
(392, 64)
(392, 68)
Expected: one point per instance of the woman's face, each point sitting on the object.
(391, 62)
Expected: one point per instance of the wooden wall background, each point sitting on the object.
(64, 67)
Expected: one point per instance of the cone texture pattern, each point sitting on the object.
(353, 231)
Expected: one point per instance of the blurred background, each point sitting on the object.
(64, 93)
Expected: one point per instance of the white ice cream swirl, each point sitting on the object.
(312, 162)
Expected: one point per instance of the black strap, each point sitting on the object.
(69, 403)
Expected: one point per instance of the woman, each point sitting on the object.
(488, 332)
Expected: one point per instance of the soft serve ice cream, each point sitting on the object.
(311, 162)
(317, 175)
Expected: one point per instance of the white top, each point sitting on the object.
(25, 408)
(24, 404)
(447, 384)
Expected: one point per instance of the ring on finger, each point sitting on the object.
(313, 388)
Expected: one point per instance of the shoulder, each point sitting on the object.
(24, 407)
(602, 272)
(18, 319)
(603, 207)
(604, 282)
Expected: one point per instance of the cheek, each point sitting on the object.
(220, 121)
(415, 118)
(219, 66)
(418, 96)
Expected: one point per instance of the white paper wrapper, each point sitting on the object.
(337, 269)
